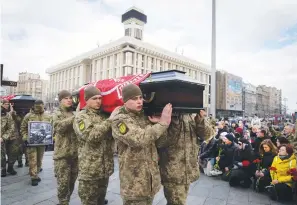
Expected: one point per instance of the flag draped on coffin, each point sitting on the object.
(111, 90)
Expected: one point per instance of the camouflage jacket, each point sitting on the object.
(17, 123)
(293, 141)
(7, 127)
(178, 157)
(138, 158)
(32, 116)
(65, 137)
(95, 158)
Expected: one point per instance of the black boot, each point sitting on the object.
(27, 163)
(38, 179)
(105, 201)
(3, 172)
(34, 182)
(40, 170)
(20, 164)
(10, 170)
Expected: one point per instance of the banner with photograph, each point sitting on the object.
(40, 133)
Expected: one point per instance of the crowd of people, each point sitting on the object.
(253, 154)
(152, 150)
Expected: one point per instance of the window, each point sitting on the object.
(128, 32)
(138, 34)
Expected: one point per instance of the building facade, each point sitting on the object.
(128, 55)
(249, 99)
(228, 94)
(262, 106)
(30, 84)
(275, 101)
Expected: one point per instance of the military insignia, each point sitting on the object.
(81, 125)
(122, 128)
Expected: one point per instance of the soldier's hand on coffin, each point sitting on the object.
(154, 119)
(166, 115)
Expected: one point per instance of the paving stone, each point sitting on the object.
(17, 190)
(213, 201)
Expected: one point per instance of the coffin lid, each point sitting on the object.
(170, 76)
(23, 98)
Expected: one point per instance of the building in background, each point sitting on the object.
(249, 99)
(3, 91)
(128, 55)
(262, 106)
(275, 101)
(31, 84)
(228, 95)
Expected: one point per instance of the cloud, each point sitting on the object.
(255, 39)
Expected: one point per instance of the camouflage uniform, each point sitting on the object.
(293, 141)
(138, 158)
(95, 159)
(8, 143)
(178, 157)
(35, 154)
(65, 153)
(21, 148)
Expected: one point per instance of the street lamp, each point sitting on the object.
(213, 62)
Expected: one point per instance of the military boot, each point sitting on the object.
(10, 170)
(27, 163)
(20, 164)
(3, 172)
(34, 182)
(105, 201)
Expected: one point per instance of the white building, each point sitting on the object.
(31, 84)
(126, 56)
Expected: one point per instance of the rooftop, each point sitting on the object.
(121, 42)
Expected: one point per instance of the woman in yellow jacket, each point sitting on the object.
(282, 181)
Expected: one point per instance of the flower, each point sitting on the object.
(272, 169)
(257, 161)
(245, 163)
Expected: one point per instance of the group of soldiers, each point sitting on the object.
(152, 150)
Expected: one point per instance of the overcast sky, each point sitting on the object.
(256, 40)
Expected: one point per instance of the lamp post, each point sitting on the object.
(213, 62)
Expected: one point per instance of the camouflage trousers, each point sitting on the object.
(3, 156)
(92, 192)
(176, 194)
(22, 150)
(35, 156)
(66, 171)
(11, 149)
(144, 201)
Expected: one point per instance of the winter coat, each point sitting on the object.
(279, 169)
(210, 149)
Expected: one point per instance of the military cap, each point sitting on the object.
(130, 91)
(91, 91)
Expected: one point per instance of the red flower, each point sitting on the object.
(256, 161)
(272, 169)
(295, 178)
(245, 163)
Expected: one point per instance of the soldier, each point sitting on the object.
(35, 153)
(8, 142)
(65, 152)
(17, 118)
(95, 159)
(135, 135)
(288, 133)
(178, 156)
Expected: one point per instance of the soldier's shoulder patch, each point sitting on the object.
(81, 125)
(122, 128)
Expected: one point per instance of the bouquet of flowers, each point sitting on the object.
(258, 163)
(293, 173)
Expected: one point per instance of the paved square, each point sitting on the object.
(17, 190)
